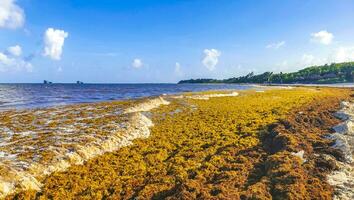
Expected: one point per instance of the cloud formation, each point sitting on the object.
(137, 63)
(13, 63)
(211, 58)
(15, 50)
(308, 60)
(322, 37)
(276, 45)
(343, 54)
(11, 15)
(54, 42)
(178, 70)
(338, 55)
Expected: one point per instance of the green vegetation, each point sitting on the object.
(326, 74)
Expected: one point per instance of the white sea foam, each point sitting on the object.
(208, 96)
(205, 96)
(343, 179)
(70, 144)
(148, 105)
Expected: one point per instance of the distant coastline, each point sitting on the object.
(326, 74)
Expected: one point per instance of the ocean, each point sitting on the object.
(20, 96)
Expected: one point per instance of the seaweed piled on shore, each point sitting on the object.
(253, 146)
(36, 143)
(299, 154)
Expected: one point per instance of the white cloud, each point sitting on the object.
(275, 45)
(54, 42)
(137, 63)
(308, 60)
(13, 64)
(178, 70)
(343, 54)
(337, 55)
(4, 59)
(15, 50)
(322, 37)
(211, 58)
(11, 15)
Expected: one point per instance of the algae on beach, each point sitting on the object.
(36, 143)
(212, 149)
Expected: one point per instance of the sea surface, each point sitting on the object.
(20, 96)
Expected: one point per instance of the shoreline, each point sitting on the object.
(343, 177)
(68, 100)
(334, 85)
(133, 125)
(27, 175)
(189, 103)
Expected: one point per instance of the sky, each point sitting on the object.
(164, 41)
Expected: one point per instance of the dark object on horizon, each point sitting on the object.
(79, 82)
(47, 82)
(325, 74)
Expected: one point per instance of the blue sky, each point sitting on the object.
(139, 41)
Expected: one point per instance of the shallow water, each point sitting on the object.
(18, 96)
(36, 143)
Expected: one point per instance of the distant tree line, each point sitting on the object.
(329, 73)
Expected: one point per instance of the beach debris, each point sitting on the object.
(343, 178)
(300, 154)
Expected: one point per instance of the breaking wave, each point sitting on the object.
(148, 105)
(206, 96)
(36, 143)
